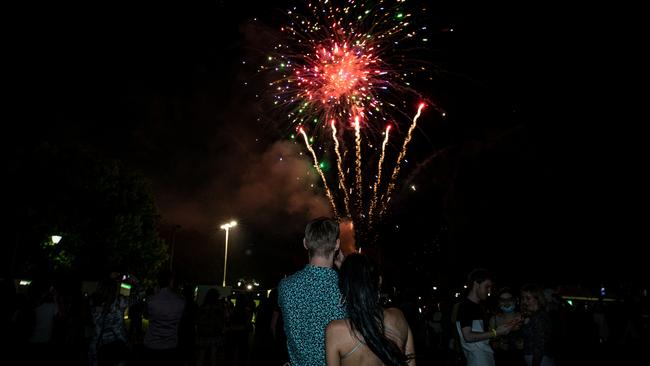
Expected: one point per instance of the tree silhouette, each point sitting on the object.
(104, 212)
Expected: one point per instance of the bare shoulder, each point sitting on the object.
(394, 319)
(394, 315)
(336, 335)
(337, 326)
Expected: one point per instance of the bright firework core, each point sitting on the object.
(339, 71)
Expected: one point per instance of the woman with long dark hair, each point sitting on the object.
(371, 335)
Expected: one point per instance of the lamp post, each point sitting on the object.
(171, 257)
(225, 257)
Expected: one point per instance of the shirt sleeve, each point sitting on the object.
(464, 316)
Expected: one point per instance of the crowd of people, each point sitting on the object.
(331, 312)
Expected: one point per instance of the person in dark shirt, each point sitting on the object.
(474, 337)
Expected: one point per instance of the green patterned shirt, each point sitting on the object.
(309, 300)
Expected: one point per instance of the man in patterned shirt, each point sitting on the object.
(310, 298)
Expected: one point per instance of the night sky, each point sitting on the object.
(530, 175)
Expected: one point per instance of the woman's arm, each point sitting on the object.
(410, 348)
(394, 318)
(331, 345)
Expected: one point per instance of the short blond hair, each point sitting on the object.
(321, 235)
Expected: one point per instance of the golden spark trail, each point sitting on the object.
(378, 182)
(402, 153)
(346, 197)
(313, 154)
(357, 140)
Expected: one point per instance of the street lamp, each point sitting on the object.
(56, 239)
(171, 257)
(225, 257)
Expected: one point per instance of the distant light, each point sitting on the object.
(56, 239)
(249, 287)
(125, 286)
(585, 298)
(24, 282)
(419, 297)
(420, 310)
(465, 286)
(602, 291)
(435, 287)
(570, 302)
(457, 294)
(239, 283)
(227, 226)
(413, 187)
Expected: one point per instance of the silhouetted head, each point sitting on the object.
(211, 297)
(507, 300)
(359, 282)
(532, 298)
(321, 237)
(106, 291)
(479, 283)
(165, 278)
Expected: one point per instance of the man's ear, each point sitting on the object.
(304, 243)
(338, 244)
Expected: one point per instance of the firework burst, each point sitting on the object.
(347, 65)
